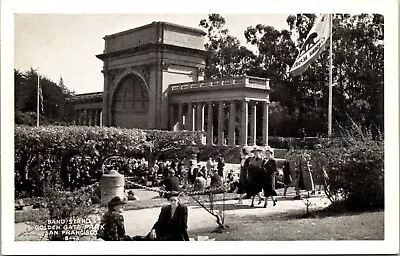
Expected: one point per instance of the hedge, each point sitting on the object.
(46, 151)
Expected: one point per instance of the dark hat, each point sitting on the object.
(116, 201)
(269, 149)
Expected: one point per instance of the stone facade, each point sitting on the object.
(153, 79)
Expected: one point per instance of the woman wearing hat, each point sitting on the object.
(112, 223)
(269, 168)
(172, 221)
(254, 181)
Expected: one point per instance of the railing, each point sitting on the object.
(86, 96)
(243, 81)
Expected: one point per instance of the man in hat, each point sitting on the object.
(172, 221)
(171, 183)
(112, 223)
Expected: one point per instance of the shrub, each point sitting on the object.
(70, 214)
(355, 167)
(47, 153)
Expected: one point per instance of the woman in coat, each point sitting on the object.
(269, 168)
(172, 222)
(254, 181)
(242, 175)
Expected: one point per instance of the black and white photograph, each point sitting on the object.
(258, 128)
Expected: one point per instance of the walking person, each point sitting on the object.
(220, 166)
(269, 170)
(254, 174)
(172, 222)
(287, 176)
(242, 174)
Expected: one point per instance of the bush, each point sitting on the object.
(54, 153)
(69, 214)
(355, 169)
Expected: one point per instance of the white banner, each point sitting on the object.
(313, 45)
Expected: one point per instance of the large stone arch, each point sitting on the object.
(129, 100)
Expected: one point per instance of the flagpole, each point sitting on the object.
(330, 81)
(37, 102)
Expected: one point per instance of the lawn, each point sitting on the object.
(293, 226)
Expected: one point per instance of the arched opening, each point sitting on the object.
(130, 107)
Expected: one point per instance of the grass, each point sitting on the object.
(293, 226)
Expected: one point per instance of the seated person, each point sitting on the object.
(170, 183)
(112, 223)
(172, 222)
(200, 182)
(216, 180)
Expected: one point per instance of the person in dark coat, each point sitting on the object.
(171, 183)
(287, 176)
(216, 180)
(220, 166)
(242, 175)
(254, 181)
(112, 223)
(269, 168)
(172, 222)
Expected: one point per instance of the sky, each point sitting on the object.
(65, 45)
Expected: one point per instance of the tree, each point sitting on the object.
(55, 98)
(227, 57)
(357, 68)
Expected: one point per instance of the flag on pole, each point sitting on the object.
(314, 44)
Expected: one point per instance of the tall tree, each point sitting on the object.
(227, 57)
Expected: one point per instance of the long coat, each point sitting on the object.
(269, 168)
(112, 227)
(254, 181)
(172, 228)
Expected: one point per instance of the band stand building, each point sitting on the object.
(154, 79)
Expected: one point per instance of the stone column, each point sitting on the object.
(106, 90)
(221, 123)
(265, 124)
(101, 118)
(95, 116)
(200, 117)
(232, 121)
(92, 117)
(253, 124)
(190, 122)
(200, 120)
(81, 117)
(244, 123)
(171, 117)
(180, 116)
(77, 116)
(86, 118)
(210, 123)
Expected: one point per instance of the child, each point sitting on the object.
(112, 223)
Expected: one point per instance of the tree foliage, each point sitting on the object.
(357, 70)
(56, 107)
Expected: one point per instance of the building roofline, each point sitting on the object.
(152, 46)
(157, 23)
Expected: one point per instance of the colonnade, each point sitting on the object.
(88, 117)
(191, 116)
